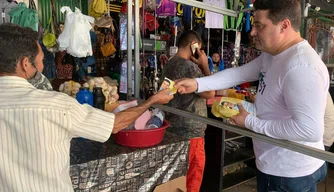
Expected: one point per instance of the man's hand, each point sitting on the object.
(239, 119)
(202, 60)
(186, 85)
(162, 97)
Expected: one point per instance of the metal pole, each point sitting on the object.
(304, 19)
(137, 38)
(208, 7)
(129, 55)
(143, 50)
(310, 151)
(247, 9)
(222, 54)
(191, 18)
(208, 48)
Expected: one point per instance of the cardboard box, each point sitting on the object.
(175, 185)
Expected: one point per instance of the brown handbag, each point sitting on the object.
(107, 44)
(107, 49)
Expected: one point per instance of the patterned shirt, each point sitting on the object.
(36, 128)
(177, 68)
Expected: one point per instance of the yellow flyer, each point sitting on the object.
(228, 107)
(167, 83)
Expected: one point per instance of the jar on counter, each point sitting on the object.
(99, 98)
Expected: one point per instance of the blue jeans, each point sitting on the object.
(266, 183)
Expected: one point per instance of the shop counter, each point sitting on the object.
(111, 167)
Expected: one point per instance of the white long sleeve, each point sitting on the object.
(303, 90)
(231, 77)
(290, 105)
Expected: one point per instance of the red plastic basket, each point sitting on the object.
(141, 138)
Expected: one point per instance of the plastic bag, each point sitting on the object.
(76, 38)
(64, 37)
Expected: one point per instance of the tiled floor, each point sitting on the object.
(250, 186)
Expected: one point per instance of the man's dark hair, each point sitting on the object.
(16, 43)
(187, 37)
(279, 10)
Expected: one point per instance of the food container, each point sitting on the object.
(141, 138)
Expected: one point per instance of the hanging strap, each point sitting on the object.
(48, 27)
(32, 4)
(54, 19)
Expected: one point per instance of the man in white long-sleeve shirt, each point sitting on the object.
(291, 97)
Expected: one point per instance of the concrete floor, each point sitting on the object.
(250, 186)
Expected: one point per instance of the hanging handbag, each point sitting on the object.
(107, 49)
(104, 21)
(49, 38)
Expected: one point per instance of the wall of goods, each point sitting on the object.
(99, 48)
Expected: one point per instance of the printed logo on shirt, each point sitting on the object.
(262, 83)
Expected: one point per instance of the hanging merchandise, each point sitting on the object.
(173, 49)
(124, 33)
(124, 8)
(214, 20)
(97, 8)
(166, 8)
(163, 59)
(187, 12)
(235, 62)
(5, 7)
(64, 64)
(105, 21)
(232, 23)
(75, 38)
(64, 37)
(150, 5)
(49, 38)
(115, 6)
(49, 70)
(86, 65)
(123, 87)
(107, 49)
(24, 16)
(248, 21)
(151, 61)
(151, 22)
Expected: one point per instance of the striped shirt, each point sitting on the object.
(36, 128)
